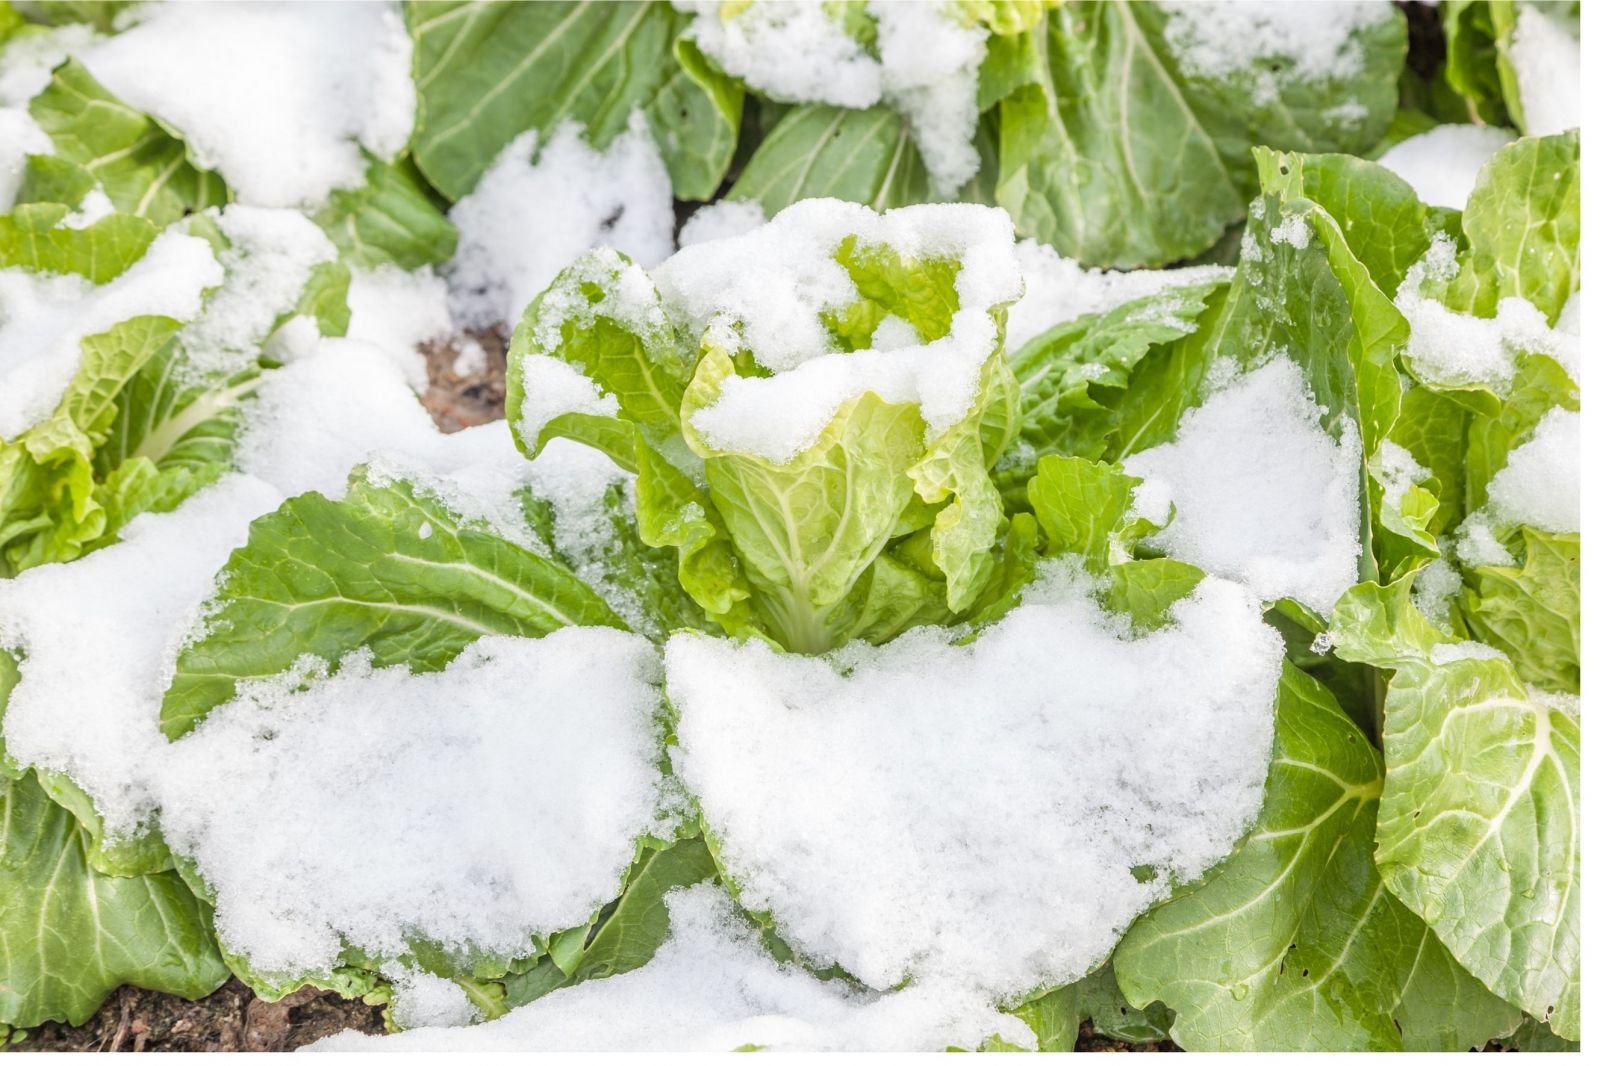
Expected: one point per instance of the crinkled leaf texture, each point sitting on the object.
(1531, 611)
(1478, 825)
(1294, 943)
(870, 529)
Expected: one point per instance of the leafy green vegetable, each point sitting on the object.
(1521, 229)
(1056, 1016)
(390, 219)
(69, 935)
(143, 167)
(487, 72)
(1477, 827)
(1109, 126)
(325, 577)
(799, 549)
(1530, 611)
(863, 155)
(1295, 942)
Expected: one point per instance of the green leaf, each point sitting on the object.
(1071, 376)
(1531, 611)
(1083, 507)
(33, 238)
(629, 932)
(486, 72)
(388, 568)
(101, 14)
(675, 512)
(1115, 155)
(576, 320)
(1377, 213)
(49, 508)
(1536, 1036)
(1478, 826)
(1102, 155)
(49, 179)
(866, 156)
(69, 935)
(1540, 385)
(807, 529)
(1522, 228)
(1473, 59)
(695, 120)
(389, 219)
(1293, 943)
(1056, 1016)
(143, 167)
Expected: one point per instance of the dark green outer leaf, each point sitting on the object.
(1293, 943)
(818, 150)
(388, 219)
(486, 72)
(1103, 156)
(323, 578)
(69, 936)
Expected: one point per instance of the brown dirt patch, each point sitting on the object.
(230, 1019)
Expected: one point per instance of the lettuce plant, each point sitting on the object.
(883, 619)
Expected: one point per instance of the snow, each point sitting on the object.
(20, 137)
(789, 50)
(725, 218)
(1456, 350)
(94, 206)
(552, 388)
(1263, 494)
(27, 59)
(1059, 290)
(470, 359)
(399, 311)
(1436, 585)
(800, 52)
(1268, 44)
(1444, 653)
(266, 264)
(855, 797)
(124, 608)
(930, 74)
(1292, 231)
(767, 290)
(1544, 55)
(418, 999)
(1442, 164)
(43, 319)
(1476, 544)
(1396, 470)
(279, 98)
(526, 220)
(1538, 486)
(375, 760)
(712, 988)
(313, 421)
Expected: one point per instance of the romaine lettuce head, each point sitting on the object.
(813, 409)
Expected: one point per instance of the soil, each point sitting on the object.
(230, 1019)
